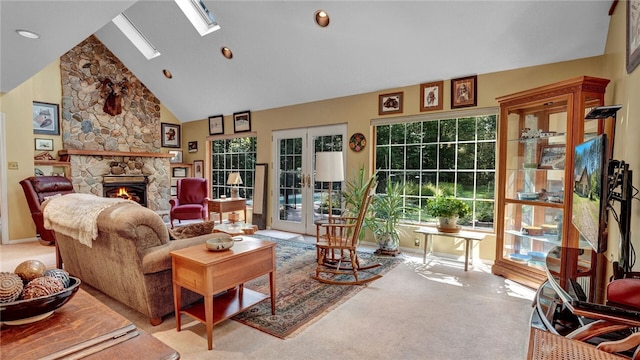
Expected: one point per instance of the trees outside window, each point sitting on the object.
(451, 156)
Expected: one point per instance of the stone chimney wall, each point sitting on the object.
(85, 126)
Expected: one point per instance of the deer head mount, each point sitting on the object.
(113, 92)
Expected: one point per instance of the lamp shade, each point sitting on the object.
(234, 179)
(329, 166)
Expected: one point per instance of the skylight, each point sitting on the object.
(135, 36)
(201, 18)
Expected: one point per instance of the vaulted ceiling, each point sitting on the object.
(281, 57)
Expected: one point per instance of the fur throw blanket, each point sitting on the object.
(76, 215)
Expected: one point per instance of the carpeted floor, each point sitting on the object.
(300, 299)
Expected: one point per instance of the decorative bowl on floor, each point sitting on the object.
(219, 244)
(30, 310)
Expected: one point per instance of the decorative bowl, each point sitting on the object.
(519, 257)
(528, 195)
(26, 311)
(219, 244)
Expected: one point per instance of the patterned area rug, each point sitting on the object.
(300, 300)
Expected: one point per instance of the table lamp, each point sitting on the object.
(329, 168)
(234, 180)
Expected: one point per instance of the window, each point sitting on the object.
(233, 155)
(451, 155)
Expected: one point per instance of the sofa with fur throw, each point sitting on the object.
(128, 257)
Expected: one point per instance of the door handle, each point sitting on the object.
(308, 180)
(302, 181)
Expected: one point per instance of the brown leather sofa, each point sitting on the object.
(36, 190)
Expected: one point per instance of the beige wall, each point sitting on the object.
(624, 90)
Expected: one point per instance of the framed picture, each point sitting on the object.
(170, 135)
(45, 118)
(179, 172)
(464, 92)
(242, 121)
(216, 125)
(193, 146)
(174, 191)
(177, 156)
(390, 103)
(198, 168)
(552, 157)
(633, 35)
(44, 144)
(431, 96)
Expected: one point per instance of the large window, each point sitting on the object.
(233, 155)
(453, 156)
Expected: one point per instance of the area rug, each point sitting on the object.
(300, 300)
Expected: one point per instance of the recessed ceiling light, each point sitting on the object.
(28, 34)
(322, 18)
(201, 18)
(135, 36)
(226, 52)
(167, 74)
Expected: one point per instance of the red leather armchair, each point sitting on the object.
(36, 190)
(624, 292)
(191, 201)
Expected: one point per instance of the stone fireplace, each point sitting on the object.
(99, 145)
(132, 187)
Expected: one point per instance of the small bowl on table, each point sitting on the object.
(219, 243)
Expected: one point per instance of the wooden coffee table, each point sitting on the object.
(82, 328)
(223, 274)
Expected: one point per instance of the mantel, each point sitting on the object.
(64, 154)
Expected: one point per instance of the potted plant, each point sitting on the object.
(447, 211)
(353, 194)
(387, 209)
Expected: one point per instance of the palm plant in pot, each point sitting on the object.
(447, 210)
(387, 210)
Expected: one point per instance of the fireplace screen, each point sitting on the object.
(131, 187)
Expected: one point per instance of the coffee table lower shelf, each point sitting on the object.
(226, 305)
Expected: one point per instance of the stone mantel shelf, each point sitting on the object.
(64, 154)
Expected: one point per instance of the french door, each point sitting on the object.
(298, 198)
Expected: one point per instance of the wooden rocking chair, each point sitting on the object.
(337, 255)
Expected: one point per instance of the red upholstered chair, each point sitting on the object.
(624, 292)
(36, 190)
(191, 201)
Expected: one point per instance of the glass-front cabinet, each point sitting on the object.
(538, 131)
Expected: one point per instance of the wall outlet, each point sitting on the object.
(416, 242)
(13, 165)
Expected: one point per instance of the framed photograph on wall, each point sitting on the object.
(177, 156)
(431, 96)
(45, 118)
(242, 121)
(464, 92)
(633, 35)
(390, 103)
(552, 157)
(179, 172)
(198, 168)
(216, 125)
(193, 146)
(170, 135)
(44, 144)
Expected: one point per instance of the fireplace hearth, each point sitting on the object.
(132, 187)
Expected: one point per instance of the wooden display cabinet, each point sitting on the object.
(538, 131)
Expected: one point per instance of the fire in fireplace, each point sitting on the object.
(132, 187)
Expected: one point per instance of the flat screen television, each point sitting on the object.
(590, 189)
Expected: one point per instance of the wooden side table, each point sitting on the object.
(228, 205)
(212, 273)
(467, 236)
